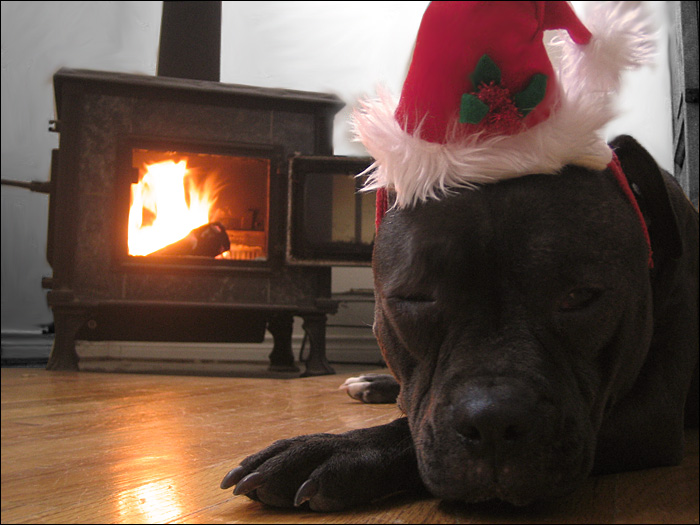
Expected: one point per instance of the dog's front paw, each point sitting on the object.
(330, 472)
(372, 388)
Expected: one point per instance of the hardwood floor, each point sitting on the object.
(127, 448)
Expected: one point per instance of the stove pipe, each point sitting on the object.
(190, 40)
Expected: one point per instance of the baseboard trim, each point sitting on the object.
(33, 349)
(25, 346)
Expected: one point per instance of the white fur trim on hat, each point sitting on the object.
(589, 78)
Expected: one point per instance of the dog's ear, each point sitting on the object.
(648, 184)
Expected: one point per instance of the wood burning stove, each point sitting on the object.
(275, 210)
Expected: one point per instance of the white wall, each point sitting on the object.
(347, 48)
(37, 39)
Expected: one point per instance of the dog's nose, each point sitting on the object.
(496, 418)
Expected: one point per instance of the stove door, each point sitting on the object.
(331, 222)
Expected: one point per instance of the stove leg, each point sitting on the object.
(67, 322)
(282, 357)
(315, 328)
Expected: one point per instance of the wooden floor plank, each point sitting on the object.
(129, 448)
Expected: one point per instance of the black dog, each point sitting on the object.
(532, 343)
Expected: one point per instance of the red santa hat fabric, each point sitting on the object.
(468, 52)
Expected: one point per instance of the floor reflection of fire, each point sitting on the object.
(193, 204)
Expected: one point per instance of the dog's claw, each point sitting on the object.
(249, 483)
(232, 478)
(307, 491)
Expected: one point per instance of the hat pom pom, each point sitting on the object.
(623, 38)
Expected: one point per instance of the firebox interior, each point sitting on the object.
(179, 191)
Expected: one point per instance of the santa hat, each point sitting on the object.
(482, 101)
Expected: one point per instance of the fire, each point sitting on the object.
(166, 205)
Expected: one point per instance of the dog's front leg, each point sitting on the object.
(331, 471)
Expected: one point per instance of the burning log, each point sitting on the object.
(209, 240)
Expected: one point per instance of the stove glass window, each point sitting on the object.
(189, 204)
(332, 219)
(336, 212)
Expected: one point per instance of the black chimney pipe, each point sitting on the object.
(190, 40)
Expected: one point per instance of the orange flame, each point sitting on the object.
(166, 206)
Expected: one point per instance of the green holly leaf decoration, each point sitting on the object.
(486, 71)
(486, 78)
(532, 95)
(472, 110)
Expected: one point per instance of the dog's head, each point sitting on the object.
(514, 316)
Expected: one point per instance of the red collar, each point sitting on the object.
(616, 169)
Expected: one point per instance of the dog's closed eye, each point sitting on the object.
(412, 303)
(415, 298)
(579, 298)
